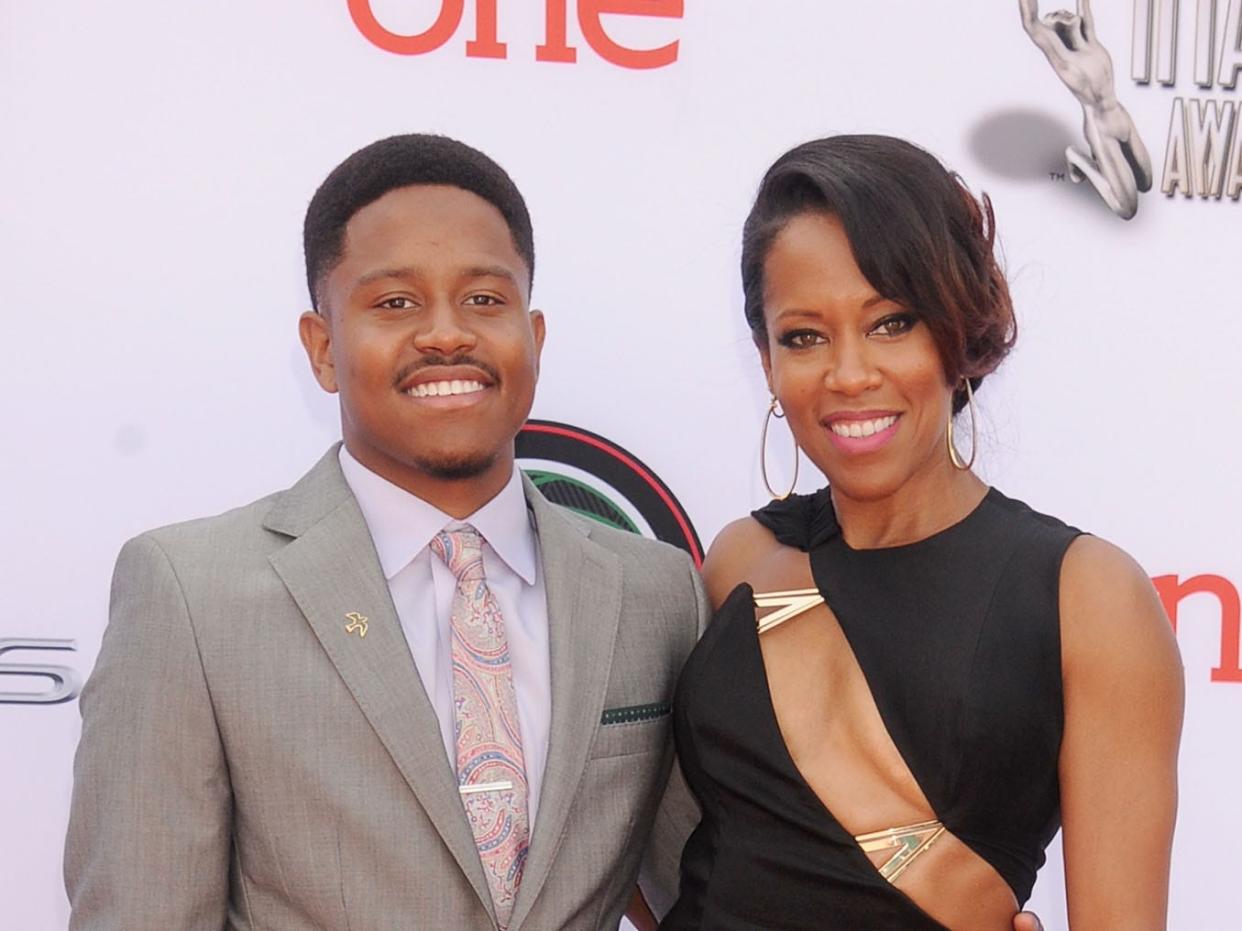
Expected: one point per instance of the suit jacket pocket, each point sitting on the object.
(623, 731)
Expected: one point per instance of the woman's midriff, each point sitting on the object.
(838, 742)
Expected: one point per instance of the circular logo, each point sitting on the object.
(598, 479)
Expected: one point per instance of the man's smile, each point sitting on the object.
(448, 387)
(441, 389)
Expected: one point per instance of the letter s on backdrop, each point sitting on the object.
(65, 682)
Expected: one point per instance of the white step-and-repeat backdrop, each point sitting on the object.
(157, 157)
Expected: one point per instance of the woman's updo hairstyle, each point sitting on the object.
(919, 236)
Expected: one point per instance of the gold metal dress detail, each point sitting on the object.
(908, 843)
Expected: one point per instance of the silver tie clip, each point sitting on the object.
(485, 787)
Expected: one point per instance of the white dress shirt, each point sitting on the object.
(402, 526)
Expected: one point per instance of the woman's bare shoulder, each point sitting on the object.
(745, 551)
(1110, 614)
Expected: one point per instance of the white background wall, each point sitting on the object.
(156, 159)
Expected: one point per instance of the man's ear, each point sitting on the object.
(539, 329)
(316, 334)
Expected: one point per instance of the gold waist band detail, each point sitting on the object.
(907, 843)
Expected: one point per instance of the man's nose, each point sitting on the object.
(443, 329)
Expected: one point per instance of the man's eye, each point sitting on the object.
(800, 339)
(397, 303)
(895, 324)
(483, 300)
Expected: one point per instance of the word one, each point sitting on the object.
(555, 47)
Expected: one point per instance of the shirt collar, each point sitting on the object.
(403, 525)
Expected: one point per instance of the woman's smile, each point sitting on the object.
(858, 432)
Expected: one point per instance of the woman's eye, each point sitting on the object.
(895, 324)
(800, 339)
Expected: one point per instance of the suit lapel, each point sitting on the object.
(583, 585)
(331, 570)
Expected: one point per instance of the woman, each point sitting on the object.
(940, 677)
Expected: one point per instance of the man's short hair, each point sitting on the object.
(397, 162)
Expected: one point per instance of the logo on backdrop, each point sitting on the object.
(555, 48)
(64, 683)
(1173, 591)
(1115, 162)
(598, 479)
(1203, 154)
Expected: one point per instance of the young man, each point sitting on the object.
(407, 692)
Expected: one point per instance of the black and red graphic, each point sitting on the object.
(589, 474)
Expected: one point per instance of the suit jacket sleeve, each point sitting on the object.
(150, 824)
(678, 814)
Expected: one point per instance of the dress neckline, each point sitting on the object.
(944, 532)
(810, 521)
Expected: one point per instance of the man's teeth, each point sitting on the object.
(857, 429)
(440, 389)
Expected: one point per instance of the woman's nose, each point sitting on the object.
(852, 371)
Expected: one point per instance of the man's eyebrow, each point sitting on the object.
(491, 271)
(404, 273)
(409, 273)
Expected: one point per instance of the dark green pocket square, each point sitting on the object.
(635, 713)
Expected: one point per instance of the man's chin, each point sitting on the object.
(456, 468)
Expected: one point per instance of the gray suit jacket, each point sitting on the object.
(247, 763)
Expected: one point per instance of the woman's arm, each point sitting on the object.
(1123, 719)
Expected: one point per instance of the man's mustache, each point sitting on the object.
(429, 361)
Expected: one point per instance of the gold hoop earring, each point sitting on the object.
(763, 453)
(954, 456)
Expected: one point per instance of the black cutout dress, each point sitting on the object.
(958, 637)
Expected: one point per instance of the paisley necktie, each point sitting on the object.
(491, 773)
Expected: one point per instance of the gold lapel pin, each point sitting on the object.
(357, 622)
